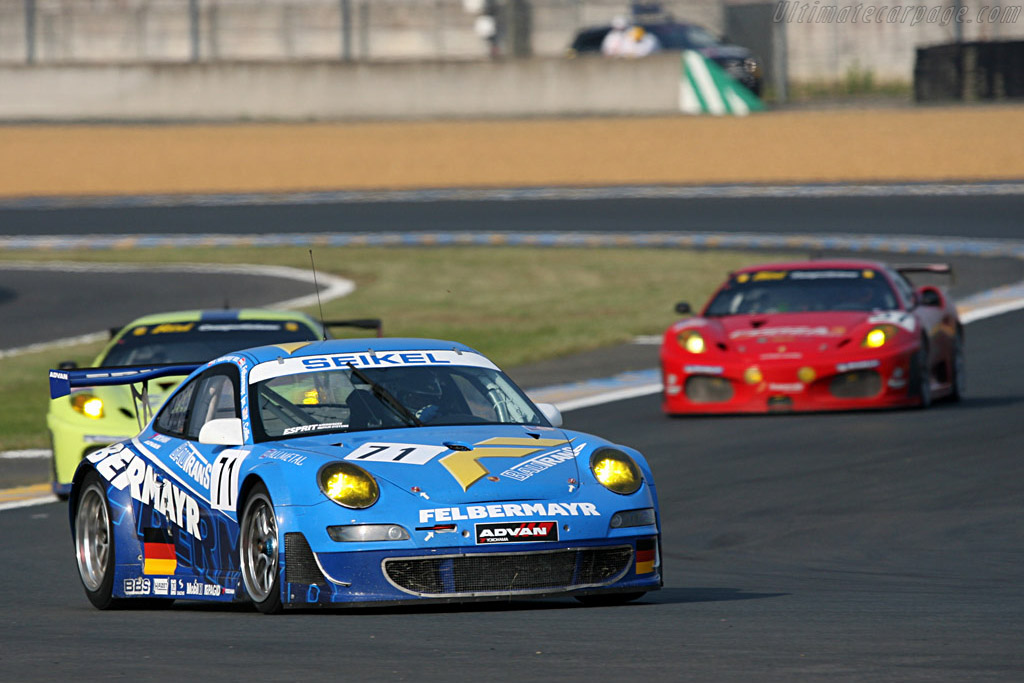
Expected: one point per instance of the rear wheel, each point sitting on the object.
(94, 542)
(258, 549)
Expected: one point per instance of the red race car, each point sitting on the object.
(815, 335)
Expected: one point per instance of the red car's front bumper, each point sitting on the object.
(794, 383)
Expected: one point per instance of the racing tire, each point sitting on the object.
(259, 555)
(920, 376)
(609, 599)
(94, 542)
(958, 371)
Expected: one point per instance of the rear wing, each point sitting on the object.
(63, 381)
(933, 268)
(361, 323)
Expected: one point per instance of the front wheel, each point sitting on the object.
(258, 549)
(958, 381)
(920, 376)
(94, 542)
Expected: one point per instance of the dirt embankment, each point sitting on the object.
(932, 144)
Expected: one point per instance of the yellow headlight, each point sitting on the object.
(753, 375)
(349, 485)
(616, 471)
(876, 338)
(692, 341)
(806, 375)
(87, 405)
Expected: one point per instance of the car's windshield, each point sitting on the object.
(800, 291)
(348, 399)
(197, 342)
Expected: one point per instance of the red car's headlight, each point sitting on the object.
(692, 341)
(878, 336)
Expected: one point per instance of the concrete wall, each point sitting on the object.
(331, 91)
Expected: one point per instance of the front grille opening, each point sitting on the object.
(705, 389)
(504, 573)
(857, 384)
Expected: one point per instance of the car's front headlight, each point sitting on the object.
(349, 485)
(87, 404)
(692, 341)
(878, 336)
(616, 471)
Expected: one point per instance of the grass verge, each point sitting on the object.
(517, 305)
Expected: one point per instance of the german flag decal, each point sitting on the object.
(646, 551)
(158, 551)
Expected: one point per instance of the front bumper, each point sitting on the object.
(461, 574)
(784, 386)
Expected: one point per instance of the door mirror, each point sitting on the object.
(683, 308)
(552, 413)
(226, 431)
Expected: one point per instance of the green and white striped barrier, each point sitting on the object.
(706, 88)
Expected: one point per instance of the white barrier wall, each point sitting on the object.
(297, 91)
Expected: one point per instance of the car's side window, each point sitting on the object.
(212, 395)
(904, 287)
(216, 397)
(173, 417)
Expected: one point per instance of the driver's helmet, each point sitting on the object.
(418, 389)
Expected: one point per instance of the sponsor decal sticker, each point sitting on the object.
(137, 586)
(528, 468)
(787, 387)
(380, 359)
(407, 453)
(465, 465)
(703, 369)
(161, 586)
(857, 365)
(301, 429)
(455, 514)
(284, 456)
(516, 532)
(124, 469)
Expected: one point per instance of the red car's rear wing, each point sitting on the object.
(934, 268)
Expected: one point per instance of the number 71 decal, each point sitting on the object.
(463, 465)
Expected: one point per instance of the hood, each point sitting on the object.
(789, 333)
(458, 464)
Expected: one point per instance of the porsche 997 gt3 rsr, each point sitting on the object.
(815, 335)
(357, 472)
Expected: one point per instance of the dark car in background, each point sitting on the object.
(737, 61)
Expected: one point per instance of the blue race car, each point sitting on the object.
(357, 472)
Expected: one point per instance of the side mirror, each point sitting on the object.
(223, 432)
(683, 308)
(552, 413)
(929, 297)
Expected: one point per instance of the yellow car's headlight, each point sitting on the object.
(88, 405)
(349, 485)
(878, 336)
(692, 341)
(616, 471)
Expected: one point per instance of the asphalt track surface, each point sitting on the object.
(860, 546)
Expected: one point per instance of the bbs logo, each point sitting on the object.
(137, 586)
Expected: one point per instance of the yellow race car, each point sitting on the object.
(93, 417)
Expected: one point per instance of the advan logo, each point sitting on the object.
(522, 532)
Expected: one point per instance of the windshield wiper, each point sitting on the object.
(385, 397)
